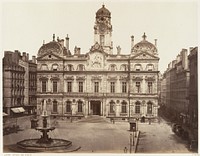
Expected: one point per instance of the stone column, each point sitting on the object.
(88, 107)
(49, 85)
(102, 112)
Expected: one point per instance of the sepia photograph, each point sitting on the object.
(99, 77)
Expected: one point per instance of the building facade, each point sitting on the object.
(193, 89)
(175, 88)
(98, 82)
(16, 83)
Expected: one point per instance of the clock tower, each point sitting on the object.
(103, 29)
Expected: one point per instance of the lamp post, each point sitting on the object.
(131, 143)
(71, 115)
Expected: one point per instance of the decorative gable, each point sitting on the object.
(96, 47)
(50, 56)
(144, 55)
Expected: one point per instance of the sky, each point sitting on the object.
(25, 24)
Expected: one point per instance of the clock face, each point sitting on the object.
(96, 61)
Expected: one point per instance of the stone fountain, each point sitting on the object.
(45, 143)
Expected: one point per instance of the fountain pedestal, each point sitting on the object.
(45, 137)
(45, 143)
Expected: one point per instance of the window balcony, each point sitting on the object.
(124, 114)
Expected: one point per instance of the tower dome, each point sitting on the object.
(103, 12)
(144, 45)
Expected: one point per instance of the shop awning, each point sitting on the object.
(5, 114)
(18, 110)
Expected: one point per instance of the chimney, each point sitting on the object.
(184, 57)
(174, 63)
(33, 59)
(27, 57)
(24, 56)
(132, 41)
(67, 42)
(191, 48)
(155, 42)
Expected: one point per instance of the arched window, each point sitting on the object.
(80, 106)
(54, 67)
(149, 67)
(124, 67)
(70, 67)
(124, 107)
(81, 67)
(55, 106)
(137, 107)
(112, 67)
(44, 67)
(138, 67)
(68, 106)
(149, 107)
(112, 103)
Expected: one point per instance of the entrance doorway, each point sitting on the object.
(95, 107)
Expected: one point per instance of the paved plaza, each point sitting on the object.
(159, 138)
(102, 136)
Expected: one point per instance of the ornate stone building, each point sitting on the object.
(98, 82)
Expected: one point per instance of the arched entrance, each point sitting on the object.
(95, 107)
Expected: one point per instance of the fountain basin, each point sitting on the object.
(33, 145)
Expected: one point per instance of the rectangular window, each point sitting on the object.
(137, 109)
(69, 87)
(96, 87)
(55, 107)
(124, 87)
(111, 107)
(123, 108)
(80, 107)
(112, 87)
(55, 85)
(150, 86)
(44, 86)
(80, 87)
(68, 107)
(138, 87)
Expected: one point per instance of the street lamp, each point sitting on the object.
(130, 143)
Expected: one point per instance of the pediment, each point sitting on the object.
(143, 56)
(49, 56)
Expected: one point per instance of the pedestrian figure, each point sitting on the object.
(113, 121)
(125, 150)
(149, 121)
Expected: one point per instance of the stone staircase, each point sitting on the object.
(94, 119)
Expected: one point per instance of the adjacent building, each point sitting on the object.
(98, 81)
(193, 90)
(16, 83)
(179, 87)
